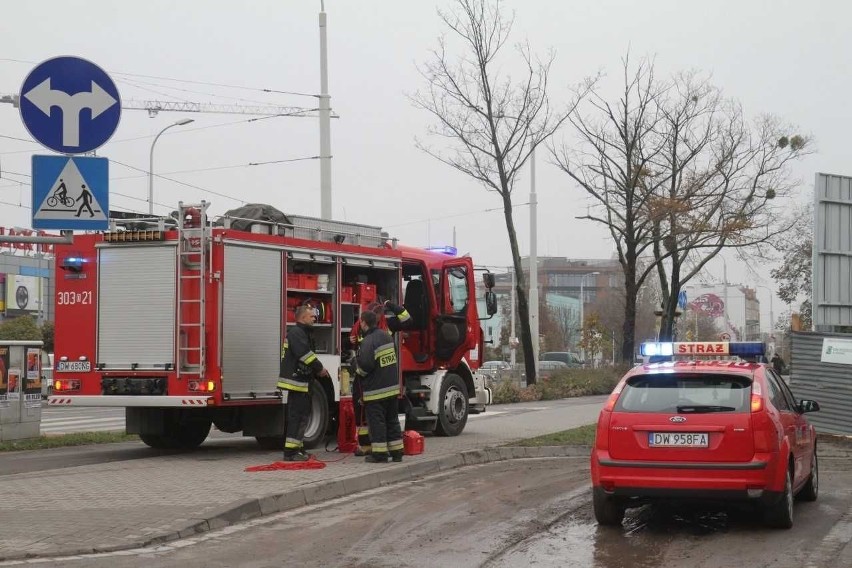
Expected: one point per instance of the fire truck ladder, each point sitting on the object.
(193, 240)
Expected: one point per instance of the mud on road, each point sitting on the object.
(669, 536)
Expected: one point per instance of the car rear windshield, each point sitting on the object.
(685, 393)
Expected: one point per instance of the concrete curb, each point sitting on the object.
(245, 510)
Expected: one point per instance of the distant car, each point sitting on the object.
(566, 357)
(496, 366)
(547, 368)
(706, 431)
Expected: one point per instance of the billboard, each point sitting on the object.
(23, 295)
(832, 252)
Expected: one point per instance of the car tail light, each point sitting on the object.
(756, 397)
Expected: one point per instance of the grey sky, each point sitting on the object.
(787, 58)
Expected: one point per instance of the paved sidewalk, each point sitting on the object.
(127, 504)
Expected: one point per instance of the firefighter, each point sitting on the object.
(397, 317)
(394, 318)
(379, 376)
(299, 365)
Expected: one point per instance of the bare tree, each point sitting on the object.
(675, 172)
(616, 149)
(490, 122)
(719, 183)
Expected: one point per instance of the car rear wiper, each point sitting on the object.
(704, 408)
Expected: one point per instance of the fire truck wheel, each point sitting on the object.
(179, 436)
(191, 434)
(155, 441)
(318, 421)
(270, 442)
(452, 413)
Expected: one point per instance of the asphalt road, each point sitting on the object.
(519, 513)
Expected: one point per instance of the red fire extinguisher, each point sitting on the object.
(347, 442)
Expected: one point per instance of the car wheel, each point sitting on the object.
(608, 511)
(453, 406)
(811, 489)
(780, 514)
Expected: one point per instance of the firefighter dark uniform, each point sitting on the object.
(397, 317)
(394, 318)
(299, 364)
(379, 376)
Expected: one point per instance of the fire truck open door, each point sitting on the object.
(455, 300)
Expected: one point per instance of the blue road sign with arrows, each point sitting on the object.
(70, 193)
(70, 105)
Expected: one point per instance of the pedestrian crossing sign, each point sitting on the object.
(70, 193)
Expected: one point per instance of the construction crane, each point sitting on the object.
(154, 107)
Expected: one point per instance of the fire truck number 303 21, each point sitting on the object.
(72, 298)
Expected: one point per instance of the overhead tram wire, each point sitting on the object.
(188, 81)
(210, 191)
(430, 219)
(215, 168)
(183, 130)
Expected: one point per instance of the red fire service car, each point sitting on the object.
(707, 423)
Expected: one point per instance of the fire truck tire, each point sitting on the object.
(179, 436)
(319, 420)
(155, 441)
(270, 442)
(191, 434)
(453, 406)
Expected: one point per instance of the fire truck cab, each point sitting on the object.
(183, 324)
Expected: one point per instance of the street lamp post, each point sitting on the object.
(182, 122)
(582, 311)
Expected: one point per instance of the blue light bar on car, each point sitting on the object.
(656, 349)
(703, 348)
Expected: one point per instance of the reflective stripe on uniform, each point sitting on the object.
(308, 358)
(363, 431)
(380, 448)
(292, 444)
(385, 349)
(379, 394)
(386, 355)
(292, 384)
(404, 316)
(394, 445)
(283, 349)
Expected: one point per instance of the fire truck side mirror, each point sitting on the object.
(490, 303)
(488, 279)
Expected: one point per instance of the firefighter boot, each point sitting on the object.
(396, 455)
(376, 458)
(296, 456)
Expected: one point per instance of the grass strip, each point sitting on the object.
(580, 436)
(64, 440)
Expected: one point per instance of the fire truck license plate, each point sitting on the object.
(671, 439)
(74, 366)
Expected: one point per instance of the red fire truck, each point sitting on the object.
(182, 325)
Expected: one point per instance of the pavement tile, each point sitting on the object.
(126, 504)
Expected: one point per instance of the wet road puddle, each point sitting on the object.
(647, 533)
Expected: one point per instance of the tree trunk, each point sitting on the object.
(521, 291)
(628, 343)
